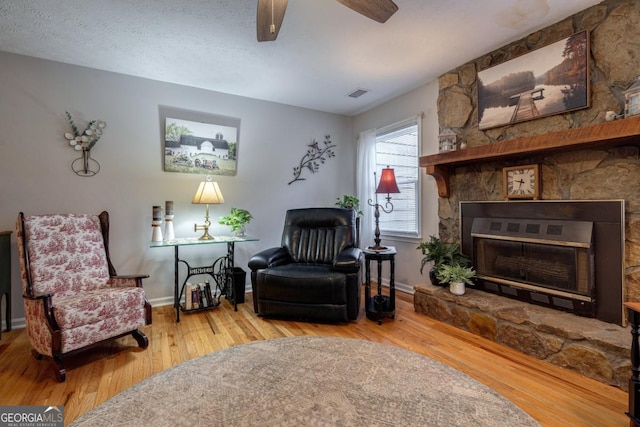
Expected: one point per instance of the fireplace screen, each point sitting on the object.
(548, 262)
(554, 267)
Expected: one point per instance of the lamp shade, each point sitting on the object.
(208, 193)
(387, 182)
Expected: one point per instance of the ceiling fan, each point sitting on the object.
(271, 14)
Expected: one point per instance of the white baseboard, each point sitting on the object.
(161, 302)
(20, 323)
(164, 301)
(403, 287)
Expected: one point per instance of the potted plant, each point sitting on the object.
(456, 276)
(349, 202)
(440, 253)
(237, 219)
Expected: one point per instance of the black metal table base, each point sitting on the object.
(222, 273)
(379, 306)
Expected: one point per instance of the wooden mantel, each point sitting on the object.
(617, 132)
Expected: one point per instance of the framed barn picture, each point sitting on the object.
(199, 143)
(551, 80)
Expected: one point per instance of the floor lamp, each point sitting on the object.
(387, 185)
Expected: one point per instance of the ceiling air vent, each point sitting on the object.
(358, 93)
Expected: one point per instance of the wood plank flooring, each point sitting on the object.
(553, 396)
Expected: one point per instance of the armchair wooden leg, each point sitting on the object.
(141, 339)
(60, 371)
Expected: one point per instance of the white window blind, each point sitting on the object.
(398, 147)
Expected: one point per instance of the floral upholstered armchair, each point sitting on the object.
(73, 297)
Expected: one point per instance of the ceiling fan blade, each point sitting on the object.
(269, 18)
(378, 10)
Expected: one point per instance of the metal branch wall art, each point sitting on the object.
(84, 141)
(314, 156)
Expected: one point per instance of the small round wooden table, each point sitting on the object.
(380, 306)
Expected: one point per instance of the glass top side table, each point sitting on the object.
(221, 270)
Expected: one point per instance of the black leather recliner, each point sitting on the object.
(315, 274)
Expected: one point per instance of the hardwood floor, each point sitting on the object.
(553, 396)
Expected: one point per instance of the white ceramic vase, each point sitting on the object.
(156, 234)
(169, 234)
(456, 288)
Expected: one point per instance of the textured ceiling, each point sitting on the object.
(323, 52)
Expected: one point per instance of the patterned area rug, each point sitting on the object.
(309, 381)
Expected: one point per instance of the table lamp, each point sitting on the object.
(387, 185)
(208, 193)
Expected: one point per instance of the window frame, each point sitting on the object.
(400, 235)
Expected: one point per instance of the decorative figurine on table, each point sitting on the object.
(168, 221)
(156, 224)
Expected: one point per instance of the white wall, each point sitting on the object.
(36, 175)
(420, 100)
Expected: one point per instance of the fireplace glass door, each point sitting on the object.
(534, 265)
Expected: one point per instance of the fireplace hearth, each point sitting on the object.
(566, 255)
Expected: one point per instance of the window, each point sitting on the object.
(398, 146)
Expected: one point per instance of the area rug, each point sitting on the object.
(308, 381)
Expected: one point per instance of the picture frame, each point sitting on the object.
(553, 79)
(197, 142)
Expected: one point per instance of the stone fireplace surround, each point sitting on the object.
(588, 170)
(595, 348)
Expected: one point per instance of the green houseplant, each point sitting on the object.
(237, 219)
(456, 276)
(349, 202)
(440, 253)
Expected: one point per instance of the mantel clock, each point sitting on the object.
(521, 182)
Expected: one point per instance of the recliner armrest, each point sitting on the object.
(269, 258)
(348, 261)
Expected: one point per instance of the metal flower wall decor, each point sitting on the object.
(314, 156)
(87, 139)
(84, 141)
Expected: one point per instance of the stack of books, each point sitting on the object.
(199, 296)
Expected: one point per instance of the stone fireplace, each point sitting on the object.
(582, 157)
(579, 329)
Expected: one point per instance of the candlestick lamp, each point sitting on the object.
(208, 193)
(387, 185)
